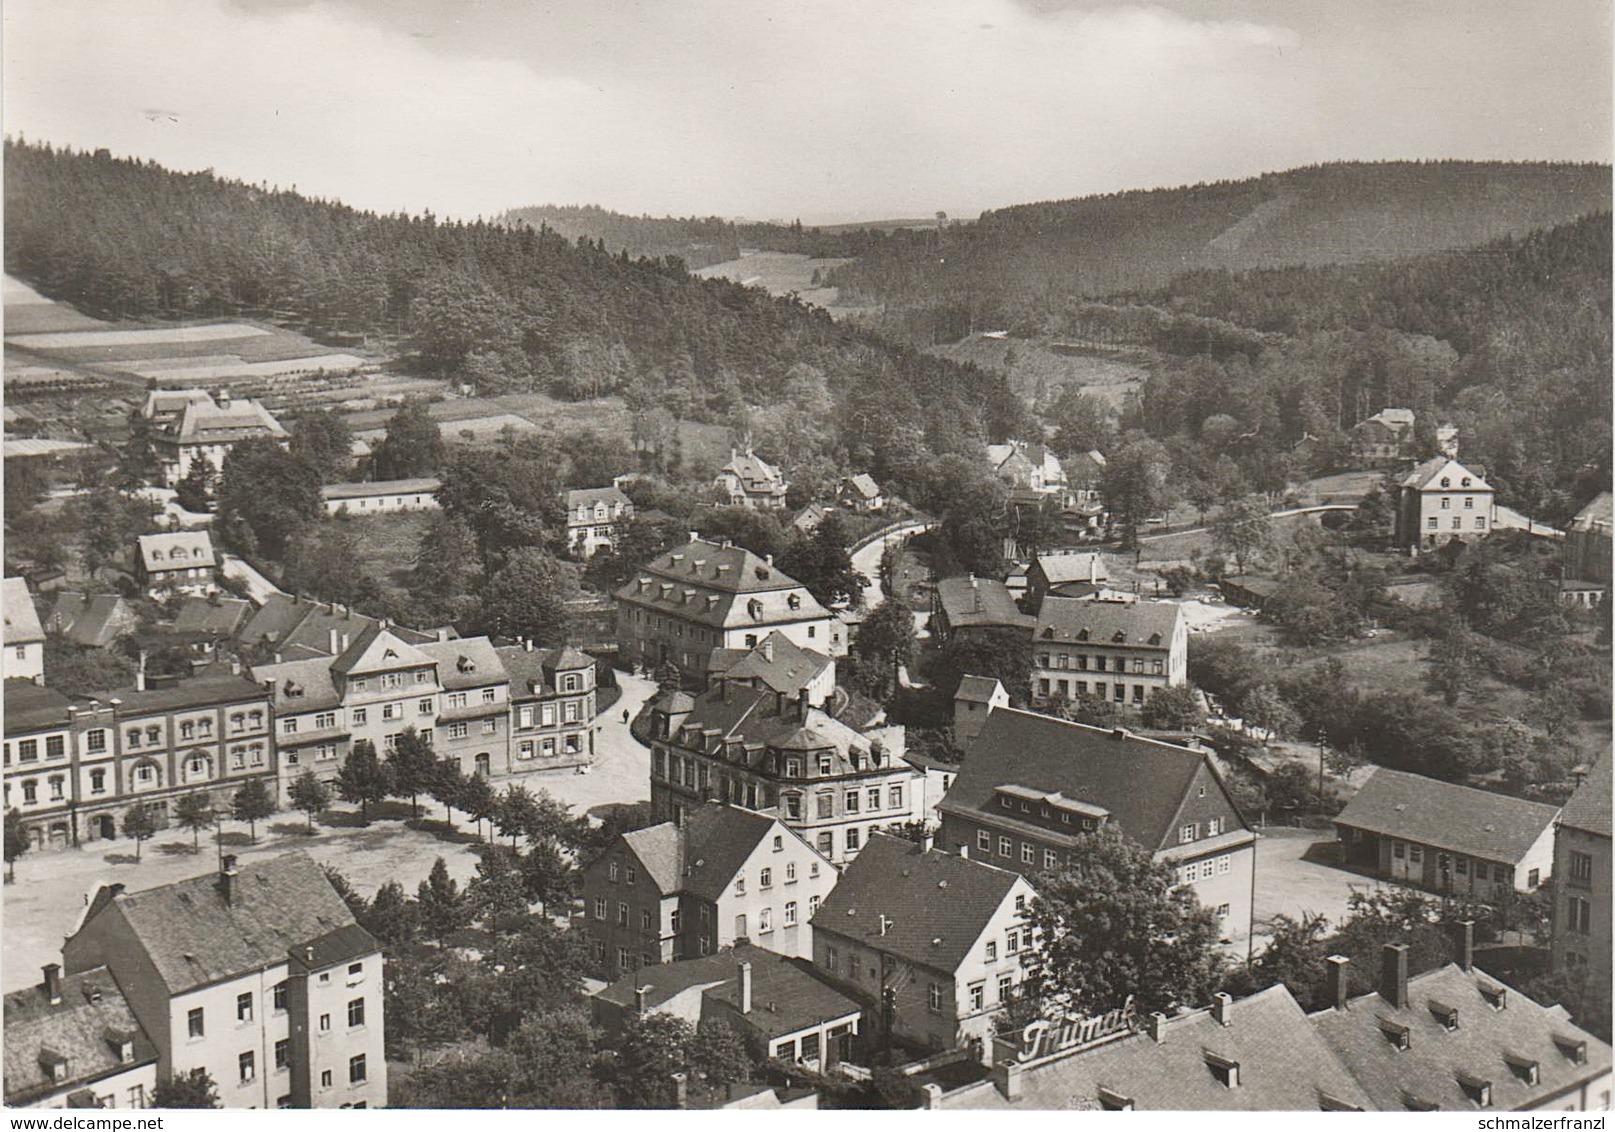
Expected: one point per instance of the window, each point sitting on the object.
(283, 1053)
(1213, 827)
(247, 1063)
(1481, 871)
(1580, 915)
(244, 1007)
(826, 843)
(826, 805)
(1028, 853)
(1446, 502)
(30, 791)
(978, 994)
(1581, 866)
(1012, 942)
(194, 1024)
(55, 746)
(360, 715)
(765, 920)
(1006, 847)
(740, 926)
(458, 730)
(488, 696)
(356, 1069)
(984, 841)
(1189, 832)
(325, 1023)
(630, 874)
(1432, 522)
(490, 726)
(813, 906)
(95, 741)
(26, 749)
(1533, 878)
(740, 885)
(851, 801)
(933, 998)
(766, 880)
(852, 838)
(279, 996)
(1051, 859)
(790, 872)
(644, 919)
(1006, 987)
(992, 951)
(325, 1079)
(622, 913)
(56, 784)
(325, 719)
(98, 782)
(790, 913)
(623, 961)
(356, 1013)
(611, 872)
(1480, 522)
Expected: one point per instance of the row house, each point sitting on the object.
(73, 769)
(381, 497)
(704, 596)
(596, 518)
(1120, 651)
(1034, 785)
(939, 939)
(833, 784)
(552, 706)
(258, 976)
(725, 876)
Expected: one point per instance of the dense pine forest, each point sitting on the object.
(1017, 266)
(505, 309)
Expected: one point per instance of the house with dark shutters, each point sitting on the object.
(1447, 838)
(1033, 785)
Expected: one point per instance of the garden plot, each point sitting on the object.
(217, 367)
(100, 339)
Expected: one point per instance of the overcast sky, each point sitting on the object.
(823, 109)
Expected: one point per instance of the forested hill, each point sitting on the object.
(697, 241)
(505, 309)
(1016, 264)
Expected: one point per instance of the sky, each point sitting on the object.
(824, 110)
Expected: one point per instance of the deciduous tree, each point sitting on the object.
(17, 842)
(194, 812)
(363, 779)
(412, 763)
(413, 444)
(310, 795)
(139, 825)
(252, 804)
(186, 1090)
(526, 598)
(442, 906)
(324, 442)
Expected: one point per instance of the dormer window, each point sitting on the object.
(754, 609)
(1574, 1049)
(1400, 1036)
(1525, 1068)
(1048, 632)
(1119, 638)
(1446, 1015)
(1496, 997)
(1225, 1069)
(794, 601)
(1477, 1089)
(1465, 481)
(1155, 638)
(1112, 1101)
(465, 664)
(1446, 481)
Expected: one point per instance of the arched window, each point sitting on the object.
(147, 775)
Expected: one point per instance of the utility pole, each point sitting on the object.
(1323, 743)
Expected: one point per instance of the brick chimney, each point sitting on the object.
(53, 983)
(639, 999)
(745, 987)
(1222, 1008)
(1339, 980)
(1155, 1026)
(802, 704)
(767, 648)
(1465, 931)
(1393, 974)
(227, 878)
(140, 672)
(681, 1090)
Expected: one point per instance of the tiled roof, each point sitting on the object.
(666, 981)
(777, 663)
(1588, 808)
(754, 473)
(977, 689)
(29, 707)
(1481, 1045)
(704, 582)
(971, 601)
(1062, 568)
(1141, 782)
(466, 662)
(176, 550)
(661, 850)
(377, 649)
(759, 720)
(1461, 819)
(84, 1028)
(1428, 475)
(427, 485)
(205, 422)
(301, 685)
(194, 937)
(211, 688)
(717, 566)
(864, 485)
(21, 619)
(589, 496)
(212, 615)
(1136, 624)
(286, 620)
(91, 621)
(717, 838)
(1283, 1066)
(935, 904)
(788, 995)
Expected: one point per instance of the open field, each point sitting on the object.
(73, 340)
(1032, 364)
(387, 543)
(780, 273)
(216, 367)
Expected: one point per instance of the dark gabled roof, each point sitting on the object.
(1284, 1066)
(1600, 512)
(725, 568)
(936, 904)
(1141, 782)
(717, 839)
(426, 485)
(760, 718)
(30, 707)
(216, 687)
(660, 849)
(1461, 819)
(195, 938)
(777, 663)
(1588, 808)
(212, 615)
(668, 980)
(466, 662)
(977, 689)
(339, 945)
(1479, 1047)
(84, 1028)
(1136, 624)
(1425, 476)
(972, 601)
(589, 496)
(862, 484)
(301, 685)
(91, 621)
(532, 670)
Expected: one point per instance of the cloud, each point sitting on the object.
(835, 108)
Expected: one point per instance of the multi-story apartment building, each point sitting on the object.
(24, 637)
(1441, 500)
(473, 709)
(189, 425)
(831, 783)
(707, 595)
(552, 706)
(74, 769)
(1121, 651)
(723, 876)
(1033, 785)
(176, 562)
(1582, 870)
(595, 518)
(938, 937)
(74, 1043)
(258, 976)
(747, 480)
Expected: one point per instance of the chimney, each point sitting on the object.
(227, 878)
(930, 1095)
(1339, 981)
(885, 924)
(346, 640)
(1007, 1076)
(1155, 1027)
(928, 841)
(336, 640)
(1393, 974)
(308, 956)
(527, 644)
(639, 999)
(1466, 944)
(768, 560)
(802, 704)
(768, 648)
(224, 398)
(1093, 569)
(1222, 1008)
(964, 851)
(745, 987)
(442, 634)
(53, 983)
(681, 1087)
(384, 624)
(140, 673)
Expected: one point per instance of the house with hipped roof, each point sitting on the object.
(833, 783)
(1122, 652)
(74, 1042)
(720, 877)
(257, 974)
(191, 425)
(1034, 785)
(972, 605)
(939, 939)
(748, 480)
(1582, 869)
(595, 518)
(1447, 838)
(779, 665)
(782, 1006)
